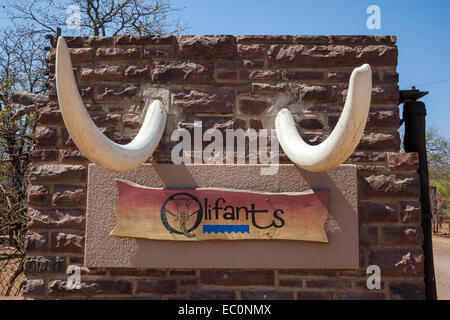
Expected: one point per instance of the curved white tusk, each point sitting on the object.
(345, 136)
(88, 138)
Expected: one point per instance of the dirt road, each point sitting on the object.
(441, 252)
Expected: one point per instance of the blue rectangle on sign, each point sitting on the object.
(216, 228)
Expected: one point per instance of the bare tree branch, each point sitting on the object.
(27, 98)
(106, 17)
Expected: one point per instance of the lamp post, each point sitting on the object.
(414, 114)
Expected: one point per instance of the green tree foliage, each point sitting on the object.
(438, 149)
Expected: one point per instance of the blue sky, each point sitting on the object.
(422, 28)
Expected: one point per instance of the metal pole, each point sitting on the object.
(414, 113)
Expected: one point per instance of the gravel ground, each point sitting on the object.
(441, 253)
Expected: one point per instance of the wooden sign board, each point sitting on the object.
(168, 216)
(219, 214)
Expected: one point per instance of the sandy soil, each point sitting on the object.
(441, 253)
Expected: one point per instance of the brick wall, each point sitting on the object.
(228, 82)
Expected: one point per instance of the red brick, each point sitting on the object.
(314, 295)
(367, 157)
(380, 141)
(370, 168)
(137, 72)
(227, 75)
(55, 218)
(34, 287)
(104, 73)
(73, 156)
(37, 242)
(264, 39)
(252, 107)
(403, 161)
(368, 235)
(352, 39)
(407, 290)
(81, 55)
(45, 137)
(44, 264)
(115, 92)
(290, 283)
(390, 76)
(159, 52)
(310, 124)
(317, 273)
(370, 212)
(38, 195)
(69, 195)
(322, 56)
(83, 41)
(145, 39)
(86, 92)
(251, 51)
(302, 75)
(259, 75)
(411, 212)
(43, 155)
(66, 139)
(306, 39)
(55, 172)
(208, 122)
(182, 273)
(327, 283)
(402, 235)
(253, 64)
(52, 94)
(131, 124)
(157, 286)
(182, 72)
(90, 288)
(344, 76)
(229, 65)
(360, 295)
(107, 119)
(206, 46)
(397, 262)
(315, 93)
(388, 186)
(49, 114)
(383, 119)
(203, 101)
(384, 94)
(66, 242)
(265, 88)
(270, 294)
(237, 277)
(159, 273)
(117, 53)
(211, 294)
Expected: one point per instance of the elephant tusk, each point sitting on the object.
(344, 138)
(85, 134)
